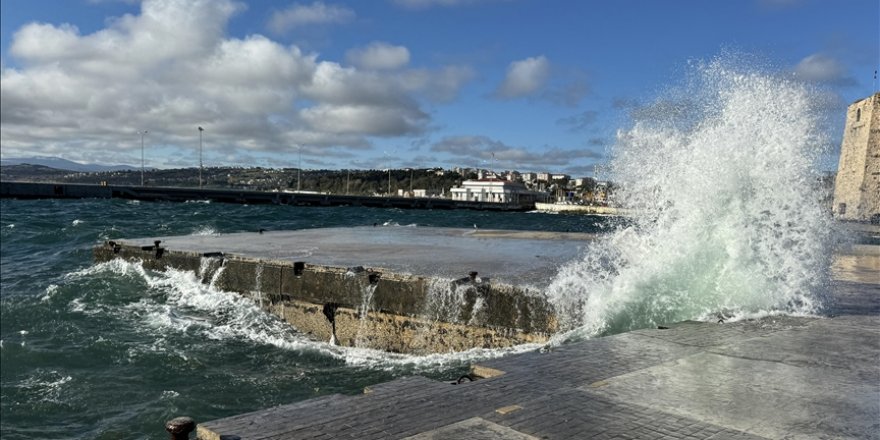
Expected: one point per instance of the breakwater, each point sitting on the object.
(408, 290)
(34, 190)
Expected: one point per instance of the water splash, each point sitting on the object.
(723, 177)
(182, 302)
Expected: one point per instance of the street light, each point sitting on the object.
(299, 168)
(142, 156)
(200, 156)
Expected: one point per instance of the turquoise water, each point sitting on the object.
(110, 351)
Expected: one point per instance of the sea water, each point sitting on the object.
(111, 350)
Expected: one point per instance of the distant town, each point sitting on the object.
(465, 184)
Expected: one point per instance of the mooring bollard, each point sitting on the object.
(180, 427)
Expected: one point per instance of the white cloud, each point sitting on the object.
(85, 97)
(524, 77)
(303, 15)
(378, 56)
(821, 67)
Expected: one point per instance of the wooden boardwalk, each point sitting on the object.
(771, 378)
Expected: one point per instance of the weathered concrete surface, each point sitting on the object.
(397, 289)
(773, 378)
(526, 258)
(777, 377)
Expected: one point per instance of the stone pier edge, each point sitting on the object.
(401, 317)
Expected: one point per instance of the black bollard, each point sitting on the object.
(180, 427)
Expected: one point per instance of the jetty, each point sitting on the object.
(39, 190)
(772, 378)
(775, 377)
(400, 289)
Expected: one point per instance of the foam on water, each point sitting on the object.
(205, 231)
(179, 302)
(723, 177)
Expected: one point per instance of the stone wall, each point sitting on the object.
(857, 186)
(371, 308)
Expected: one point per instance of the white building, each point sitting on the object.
(496, 191)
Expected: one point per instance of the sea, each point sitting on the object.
(113, 351)
(730, 220)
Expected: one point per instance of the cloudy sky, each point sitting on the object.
(525, 84)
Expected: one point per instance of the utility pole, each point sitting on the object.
(347, 181)
(411, 182)
(142, 156)
(200, 156)
(299, 169)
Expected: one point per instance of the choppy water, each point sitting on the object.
(112, 351)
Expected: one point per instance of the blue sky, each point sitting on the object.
(515, 84)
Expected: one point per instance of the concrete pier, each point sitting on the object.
(771, 378)
(40, 190)
(798, 378)
(775, 377)
(400, 289)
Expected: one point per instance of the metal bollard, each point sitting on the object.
(180, 427)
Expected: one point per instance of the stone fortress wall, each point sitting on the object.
(857, 187)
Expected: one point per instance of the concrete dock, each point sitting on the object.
(799, 378)
(401, 289)
(775, 377)
(771, 378)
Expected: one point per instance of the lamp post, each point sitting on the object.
(142, 156)
(299, 169)
(200, 156)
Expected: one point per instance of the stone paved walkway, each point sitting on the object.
(783, 377)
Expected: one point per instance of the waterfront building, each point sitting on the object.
(857, 186)
(496, 191)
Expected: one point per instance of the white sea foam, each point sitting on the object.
(188, 305)
(205, 230)
(77, 222)
(45, 386)
(723, 175)
(51, 290)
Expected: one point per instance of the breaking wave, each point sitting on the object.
(178, 302)
(724, 179)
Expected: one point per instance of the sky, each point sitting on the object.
(529, 85)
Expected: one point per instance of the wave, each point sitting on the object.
(177, 302)
(724, 176)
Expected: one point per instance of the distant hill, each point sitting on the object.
(64, 164)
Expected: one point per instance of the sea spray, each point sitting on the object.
(180, 302)
(723, 179)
